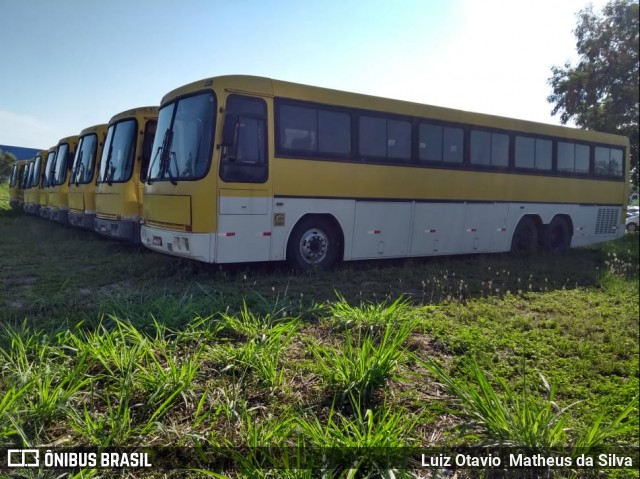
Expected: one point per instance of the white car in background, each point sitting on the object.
(632, 222)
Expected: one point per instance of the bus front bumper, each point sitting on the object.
(125, 230)
(198, 246)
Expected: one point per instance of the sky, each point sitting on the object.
(69, 64)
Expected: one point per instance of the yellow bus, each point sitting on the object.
(45, 183)
(82, 186)
(32, 188)
(123, 164)
(253, 169)
(16, 192)
(58, 201)
(26, 184)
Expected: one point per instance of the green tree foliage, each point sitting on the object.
(601, 91)
(7, 160)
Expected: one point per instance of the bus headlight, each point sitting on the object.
(181, 243)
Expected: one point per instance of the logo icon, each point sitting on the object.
(23, 458)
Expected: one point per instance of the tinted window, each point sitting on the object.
(438, 143)
(373, 136)
(608, 161)
(308, 129)
(334, 132)
(386, 138)
(489, 149)
(533, 153)
(573, 157)
(246, 160)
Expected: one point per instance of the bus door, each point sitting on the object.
(244, 192)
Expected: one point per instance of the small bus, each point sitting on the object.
(16, 192)
(252, 169)
(45, 182)
(58, 202)
(121, 173)
(34, 178)
(82, 186)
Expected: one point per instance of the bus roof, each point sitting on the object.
(143, 111)
(270, 88)
(93, 129)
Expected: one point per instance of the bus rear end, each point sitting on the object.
(58, 202)
(82, 186)
(124, 160)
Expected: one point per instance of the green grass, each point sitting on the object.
(106, 344)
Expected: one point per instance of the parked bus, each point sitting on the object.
(16, 193)
(82, 186)
(45, 182)
(121, 174)
(60, 173)
(252, 169)
(25, 183)
(34, 178)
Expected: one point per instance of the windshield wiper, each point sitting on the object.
(153, 162)
(107, 164)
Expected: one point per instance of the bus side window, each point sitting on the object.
(249, 165)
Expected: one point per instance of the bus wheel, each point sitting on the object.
(313, 243)
(525, 237)
(557, 236)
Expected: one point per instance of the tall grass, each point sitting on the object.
(504, 417)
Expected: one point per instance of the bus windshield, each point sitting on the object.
(84, 160)
(26, 176)
(34, 174)
(116, 164)
(60, 171)
(14, 176)
(182, 145)
(49, 165)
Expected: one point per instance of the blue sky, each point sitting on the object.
(69, 64)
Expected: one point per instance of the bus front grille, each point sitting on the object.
(167, 226)
(107, 216)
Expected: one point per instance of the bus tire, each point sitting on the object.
(525, 237)
(313, 244)
(557, 236)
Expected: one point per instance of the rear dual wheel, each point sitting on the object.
(557, 235)
(525, 237)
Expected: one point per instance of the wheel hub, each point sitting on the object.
(314, 246)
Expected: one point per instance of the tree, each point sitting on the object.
(601, 91)
(7, 160)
